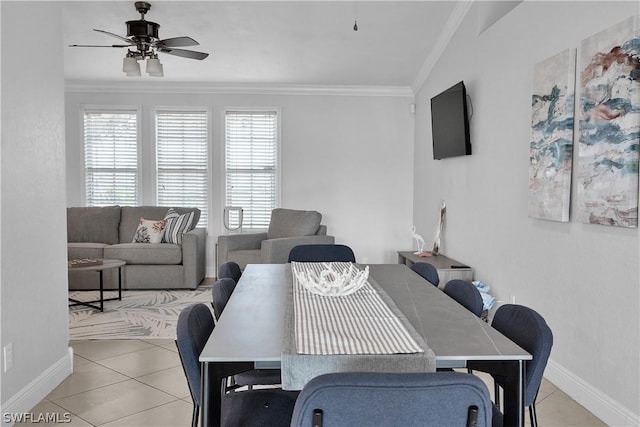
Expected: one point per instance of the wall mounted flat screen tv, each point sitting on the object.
(450, 123)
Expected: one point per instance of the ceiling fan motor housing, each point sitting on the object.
(142, 29)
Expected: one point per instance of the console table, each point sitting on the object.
(448, 269)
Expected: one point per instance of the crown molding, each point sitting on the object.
(234, 89)
(449, 30)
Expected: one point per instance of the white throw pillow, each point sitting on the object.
(176, 226)
(149, 231)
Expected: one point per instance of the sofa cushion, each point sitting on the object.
(290, 223)
(150, 253)
(85, 250)
(245, 256)
(130, 216)
(149, 231)
(93, 224)
(176, 226)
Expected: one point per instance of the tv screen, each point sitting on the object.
(450, 123)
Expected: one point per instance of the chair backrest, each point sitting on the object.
(427, 271)
(230, 270)
(195, 325)
(322, 253)
(529, 330)
(466, 294)
(393, 399)
(220, 294)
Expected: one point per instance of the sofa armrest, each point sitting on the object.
(276, 251)
(235, 242)
(194, 256)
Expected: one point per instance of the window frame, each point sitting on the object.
(278, 164)
(97, 108)
(153, 173)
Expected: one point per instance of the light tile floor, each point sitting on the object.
(140, 383)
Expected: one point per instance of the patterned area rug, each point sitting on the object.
(140, 314)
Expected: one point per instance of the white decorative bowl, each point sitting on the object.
(331, 282)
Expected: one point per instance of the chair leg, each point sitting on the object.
(532, 415)
(194, 416)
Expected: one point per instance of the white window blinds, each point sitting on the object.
(111, 157)
(181, 160)
(251, 139)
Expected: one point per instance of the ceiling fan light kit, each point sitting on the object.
(142, 36)
(130, 66)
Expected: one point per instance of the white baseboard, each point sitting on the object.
(33, 393)
(601, 405)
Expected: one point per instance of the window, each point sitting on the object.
(111, 157)
(181, 160)
(251, 140)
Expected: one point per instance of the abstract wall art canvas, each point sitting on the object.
(551, 145)
(609, 131)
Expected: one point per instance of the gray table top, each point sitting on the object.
(251, 327)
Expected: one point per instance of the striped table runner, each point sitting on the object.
(360, 323)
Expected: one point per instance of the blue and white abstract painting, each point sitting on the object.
(551, 146)
(609, 133)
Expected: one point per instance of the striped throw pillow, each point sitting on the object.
(176, 226)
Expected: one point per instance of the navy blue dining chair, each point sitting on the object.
(264, 407)
(427, 271)
(230, 270)
(466, 294)
(357, 399)
(322, 253)
(220, 293)
(525, 327)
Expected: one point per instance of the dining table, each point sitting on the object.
(255, 331)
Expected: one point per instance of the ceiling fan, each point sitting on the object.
(143, 42)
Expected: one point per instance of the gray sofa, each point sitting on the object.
(287, 228)
(107, 232)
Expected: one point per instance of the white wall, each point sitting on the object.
(33, 216)
(583, 279)
(346, 156)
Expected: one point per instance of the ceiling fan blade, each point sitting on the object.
(114, 35)
(98, 45)
(177, 42)
(192, 54)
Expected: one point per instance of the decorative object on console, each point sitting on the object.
(334, 280)
(143, 36)
(419, 241)
(436, 241)
(609, 126)
(149, 231)
(551, 145)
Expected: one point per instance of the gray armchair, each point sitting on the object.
(287, 228)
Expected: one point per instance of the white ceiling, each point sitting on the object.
(266, 42)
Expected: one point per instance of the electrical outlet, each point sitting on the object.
(7, 356)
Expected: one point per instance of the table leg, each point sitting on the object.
(211, 398)
(119, 283)
(514, 394)
(101, 292)
(212, 389)
(513, 372)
